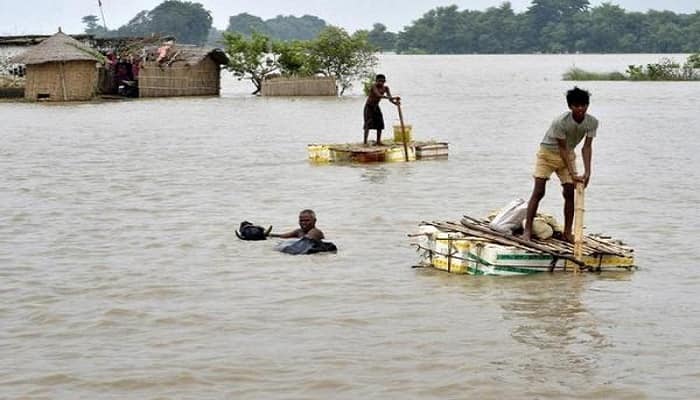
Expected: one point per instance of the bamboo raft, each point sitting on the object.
(472, 247)
(388, 152)
(402, 149)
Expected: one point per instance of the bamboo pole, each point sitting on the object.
(63, 81)
(579, 210)
(504, 238)
(403, 131)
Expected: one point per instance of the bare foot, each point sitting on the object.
(526, 236)
(380, 144)
(567, 238)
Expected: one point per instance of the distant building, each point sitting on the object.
(183, 71)
(60, 68)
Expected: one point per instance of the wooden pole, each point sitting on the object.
(403, 131)
(63, 81)
(579, 210)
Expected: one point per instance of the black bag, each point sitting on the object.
(248, 231)
(307, 246)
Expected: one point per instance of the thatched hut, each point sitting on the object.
(60, 68)
(185, 71)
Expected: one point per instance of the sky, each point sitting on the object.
(24, 17)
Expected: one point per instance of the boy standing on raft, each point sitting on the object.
(556, 154)
(372, 113)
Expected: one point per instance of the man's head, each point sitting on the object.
(578, 96)
(307, 220)
(380, 78)
(578, 101)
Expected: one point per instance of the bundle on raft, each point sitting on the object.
(471, 247)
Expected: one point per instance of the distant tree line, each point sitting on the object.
(548, 26)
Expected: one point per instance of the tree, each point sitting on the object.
(281, 27)
(294, 58)
(290, 27)
(347, 58)
(251, 58)
(246, 24)
(381, 38)
(93, 26)
(188, 22)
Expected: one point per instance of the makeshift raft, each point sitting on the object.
(389, 151)
(472, 247)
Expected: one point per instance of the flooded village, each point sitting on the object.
(276, 200)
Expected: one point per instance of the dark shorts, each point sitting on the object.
(373, 117)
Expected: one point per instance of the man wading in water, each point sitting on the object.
(372, 113)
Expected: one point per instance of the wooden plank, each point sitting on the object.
(508, 240)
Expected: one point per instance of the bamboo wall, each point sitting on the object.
(294, 86)
(179, 79)
(61, 81)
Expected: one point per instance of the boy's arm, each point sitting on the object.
(393, 100)
(587, 153)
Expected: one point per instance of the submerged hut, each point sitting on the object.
(300, 86)
(60, 68)
(182, 70)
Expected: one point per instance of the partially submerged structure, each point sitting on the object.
(181, 70)
(60, 68)
(299, 86)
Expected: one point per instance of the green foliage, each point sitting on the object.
(694, 61)
(577, 74)
(189, 22)
(379, 37)
(93, 26)
(283, 28)
(246, 24)
(294, 58)
(665, 70)
(290, 27)
(251, 58)
(345, 57)
(333, 53)
(552, 26)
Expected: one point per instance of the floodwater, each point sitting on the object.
(122, 277)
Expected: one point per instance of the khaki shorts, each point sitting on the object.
(549, 161)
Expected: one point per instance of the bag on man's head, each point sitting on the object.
(249, 231)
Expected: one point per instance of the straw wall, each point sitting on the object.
(179, 79)
(295, 86)
(61, 81)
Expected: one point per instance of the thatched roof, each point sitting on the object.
(59, 47)
(195, 55)
(190, 55)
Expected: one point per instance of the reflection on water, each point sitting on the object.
(375, 174)
(122, 276)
